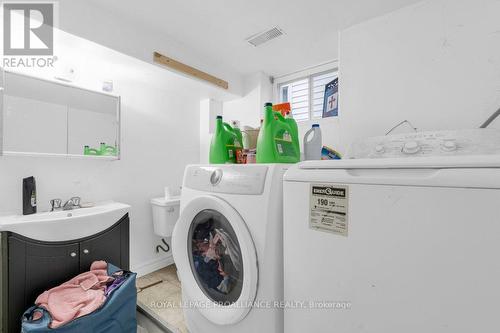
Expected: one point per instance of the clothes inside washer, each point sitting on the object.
(208, 272)
(231, 248)
(216, 257)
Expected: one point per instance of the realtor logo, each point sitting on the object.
(28, 29)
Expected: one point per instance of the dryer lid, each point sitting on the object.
(460, 172)
(435, 162)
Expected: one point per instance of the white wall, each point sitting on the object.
(257, 90)
(129, 35)
(209, 110)
(436, 64)
(160, 135)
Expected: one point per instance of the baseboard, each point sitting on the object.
(152, 265)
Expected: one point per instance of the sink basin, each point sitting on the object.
(65, 225)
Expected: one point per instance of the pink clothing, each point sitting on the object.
(78, 297)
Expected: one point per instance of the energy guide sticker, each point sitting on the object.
(329, 208)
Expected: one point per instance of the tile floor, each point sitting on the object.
(159, 293)
(146, 325)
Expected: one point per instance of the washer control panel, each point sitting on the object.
(438, 143)
(227, 179)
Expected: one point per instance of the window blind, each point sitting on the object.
(299, 99)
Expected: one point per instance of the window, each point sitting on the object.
(306, 95)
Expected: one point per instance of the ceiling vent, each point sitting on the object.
(259, 39)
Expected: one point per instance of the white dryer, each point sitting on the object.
(228, 248)
(392, 245)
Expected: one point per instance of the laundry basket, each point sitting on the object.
(117, 315)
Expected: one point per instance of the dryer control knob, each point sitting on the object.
(411, 147)
(449, 145)
(379, 149)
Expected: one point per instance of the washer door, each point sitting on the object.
(216, 260)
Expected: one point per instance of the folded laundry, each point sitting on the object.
(77, 297)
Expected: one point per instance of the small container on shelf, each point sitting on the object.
(90, 151)
(107, 150)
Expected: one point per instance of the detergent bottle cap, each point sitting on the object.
(268, 104)
(315, 125)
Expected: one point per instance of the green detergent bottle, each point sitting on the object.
(224, 144)
(276, 139)
(237, 132)
(295, 132)
(238, 137)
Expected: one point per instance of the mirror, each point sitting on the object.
(42, 117)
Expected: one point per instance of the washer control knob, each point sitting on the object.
(216, 177)
(449, 145)
(411, 147)
(379, 149)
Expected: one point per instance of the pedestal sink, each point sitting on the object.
(65, 225)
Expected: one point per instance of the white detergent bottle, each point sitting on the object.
(313, 143)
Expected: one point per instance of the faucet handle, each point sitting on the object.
(55, 203)
(76, 201)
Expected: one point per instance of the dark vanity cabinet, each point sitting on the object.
(29, 267)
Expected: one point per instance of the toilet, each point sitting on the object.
(165, 215)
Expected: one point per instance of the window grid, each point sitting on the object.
(306, 95)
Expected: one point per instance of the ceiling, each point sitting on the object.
(217, 29)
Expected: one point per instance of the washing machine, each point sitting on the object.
(403, 238)
(228, 248)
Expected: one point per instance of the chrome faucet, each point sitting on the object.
(55, 204)
(72, 203)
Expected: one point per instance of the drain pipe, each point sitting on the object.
(160, 247)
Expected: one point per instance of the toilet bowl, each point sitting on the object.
(165, 215)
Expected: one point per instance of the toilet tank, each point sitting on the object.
(165, 215)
